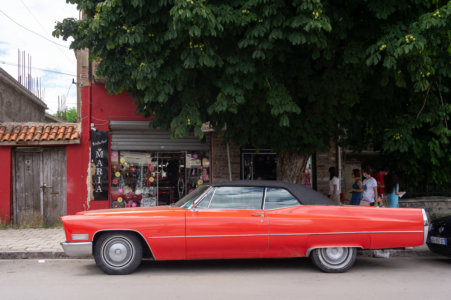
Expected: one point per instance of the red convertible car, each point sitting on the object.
(242, 219)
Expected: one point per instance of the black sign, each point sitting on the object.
(99, 165)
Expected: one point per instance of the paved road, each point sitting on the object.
(370, 278)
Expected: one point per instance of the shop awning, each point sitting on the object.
(137, 136)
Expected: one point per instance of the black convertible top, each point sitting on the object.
(305, 195)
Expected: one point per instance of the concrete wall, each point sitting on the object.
(17, 104)
(434, 206)
(83, 79)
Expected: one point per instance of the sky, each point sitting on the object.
(55, 65)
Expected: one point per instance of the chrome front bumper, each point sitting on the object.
(77, 248)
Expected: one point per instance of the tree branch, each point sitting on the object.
(267, 81)
(443, 104)
(424, 104)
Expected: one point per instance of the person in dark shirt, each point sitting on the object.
(357, 187)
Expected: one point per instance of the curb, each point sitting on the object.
(36, 255)
(409, 252)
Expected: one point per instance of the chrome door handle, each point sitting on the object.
(258, 215)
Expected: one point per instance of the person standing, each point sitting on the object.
(357, 188)
(369, 195)
(334, 185)
(392, 190)
(379, 176)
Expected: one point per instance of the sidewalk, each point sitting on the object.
(43, 243)
(31, 243)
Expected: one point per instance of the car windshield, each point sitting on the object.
(188, 200)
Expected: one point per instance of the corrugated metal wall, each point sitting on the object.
(136, 135)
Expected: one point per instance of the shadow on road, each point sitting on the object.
(240, 265)
(268, 265)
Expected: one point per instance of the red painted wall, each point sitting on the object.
(5, 184)
(77, 171)
(77, 161)
(98, 108)
(107, 107)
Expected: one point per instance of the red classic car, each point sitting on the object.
(242, 219)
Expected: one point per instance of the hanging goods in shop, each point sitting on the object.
(205, 162)
(180, 186)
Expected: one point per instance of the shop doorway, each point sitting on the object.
(169, 177)
(39, 186)
(258, 166)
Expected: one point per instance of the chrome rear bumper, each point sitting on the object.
(77, 248)
(425, 225)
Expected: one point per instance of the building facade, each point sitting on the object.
(115, 160)
(33, 157)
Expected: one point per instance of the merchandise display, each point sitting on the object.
(155, 178)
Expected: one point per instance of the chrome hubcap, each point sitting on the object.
(335, 255)
(118, 252)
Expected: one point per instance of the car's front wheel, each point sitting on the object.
(334, 259)
(118, 253)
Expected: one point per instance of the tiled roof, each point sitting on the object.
(26, 133)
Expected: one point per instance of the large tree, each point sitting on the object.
(287, 75)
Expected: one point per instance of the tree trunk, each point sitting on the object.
(291, 166)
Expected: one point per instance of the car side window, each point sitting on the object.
(279, 198)
(235, 197)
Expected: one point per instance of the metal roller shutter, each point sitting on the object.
(136, 135)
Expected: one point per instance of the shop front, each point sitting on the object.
(148, 168)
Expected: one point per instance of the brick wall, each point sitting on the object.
(220, 169)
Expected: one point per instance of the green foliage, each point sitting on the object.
(287, 75)
(69, 115)
(414, 62)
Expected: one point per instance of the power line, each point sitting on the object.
(29, 11)
(67, 94)
(42, 27)
(18, 24)
(45, 70)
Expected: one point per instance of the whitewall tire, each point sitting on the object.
(334, 259)
(118, 253)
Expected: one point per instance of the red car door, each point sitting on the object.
(228, 223)
(288, 224)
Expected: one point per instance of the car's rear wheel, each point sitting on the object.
(334, 259)
(118, 253)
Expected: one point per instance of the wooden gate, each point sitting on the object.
(39, 179)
